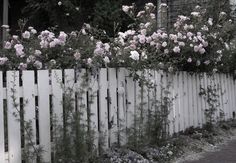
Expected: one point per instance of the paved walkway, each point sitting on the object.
(226, 154)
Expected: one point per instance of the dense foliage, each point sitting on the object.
(197, 42)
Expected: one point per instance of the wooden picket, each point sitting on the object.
(14, 132)
(103, 107)
(29, 105)
(44, 114)
(112, 102)
(108, 100)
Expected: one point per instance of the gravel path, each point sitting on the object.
(225, 154)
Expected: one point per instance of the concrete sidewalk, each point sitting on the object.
(226, 154)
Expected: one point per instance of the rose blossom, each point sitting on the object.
(37, 52)
(189, 60)
(134, 55)
(26, 35)
(176, 49)
(59, 3)
(106, 59)
(210, 21)
(22, 66)
(7, 45)
(77, 55)
(125, 8)
(19, 49)
(3, 60)
(164, 44)
(38, 64)
(142, 39)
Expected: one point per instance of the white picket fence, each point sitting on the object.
(113, 84)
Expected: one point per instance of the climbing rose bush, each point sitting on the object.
(194, 43)
(46, 50)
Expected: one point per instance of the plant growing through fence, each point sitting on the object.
(211, 96)
(151, 125)
(74, 139)
(30, 151)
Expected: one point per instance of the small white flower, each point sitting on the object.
(37, 52)
(222, 14)
(59, 3)
(7, 45)
(164, 44)
(170, 153)
(38, 64)
(207, 62)
(44, 44)
(198, 63)
(19, 50)
(202, 50)
(144, 55)
(191, 26)
(30, 28)
(134, 55)
(196, 14)
(219, 51)
(33, 31)
(189, 60)
(30, 59)
(107, 47)
(15, 37)
(89, 61)
(125, 8)
(77, 8)
(106, 59)
(22, 66)
(53, 62)
(77, 55)
(26, 35)
(170, 69)
(227, 46)
(62, 36)
(83, 32)
(73, 33)
(205, 28)
(196, 48)
(189, 34)
(166, 51)
(143, 31)
(214, 70)
(153, 16)
(3, 60)
(176, 49)
(181, 43)
(210, 21)
(142, 39)
(163, 5)
(140, 13)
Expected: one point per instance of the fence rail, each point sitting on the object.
(116, 98)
